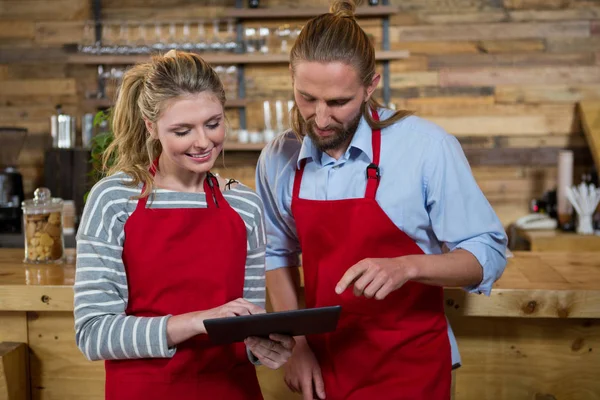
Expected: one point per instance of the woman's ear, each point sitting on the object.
(151, 129)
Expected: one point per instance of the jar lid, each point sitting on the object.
(42, 202)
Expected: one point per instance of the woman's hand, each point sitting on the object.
(231, 309)
(184, 326)
(272, 352)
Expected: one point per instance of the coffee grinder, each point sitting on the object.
(11, 180)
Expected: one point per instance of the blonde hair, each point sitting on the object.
(144, 91)
(337, 37)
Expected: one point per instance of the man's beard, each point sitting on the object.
(340, 137)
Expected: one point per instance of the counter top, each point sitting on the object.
(556, 240)
(16, 240)
(534, 285)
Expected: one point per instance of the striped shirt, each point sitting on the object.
(102, 329)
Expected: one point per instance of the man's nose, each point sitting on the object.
(322, 116)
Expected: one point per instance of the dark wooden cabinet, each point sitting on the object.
(67, 174)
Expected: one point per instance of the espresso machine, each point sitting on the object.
(11, 180)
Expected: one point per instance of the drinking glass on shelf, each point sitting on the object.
(172, 41)
(103, 76)
(113, 80)
(228, 76)
(109, 39)
(231, 75)
(186, 44)
(117, 74)
(88, 39)
(231, 43)
(215, 42)
(263, 34)
(201, 40)
(282, 34)
(141, 39)
(294, 33)
(220, 70)
(122, 42)
(268, 133)
(104, 39)
(279, 115)
(250, 40)
(158, 44)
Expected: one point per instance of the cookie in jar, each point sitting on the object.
(42, 221)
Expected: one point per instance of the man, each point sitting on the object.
(385, 211)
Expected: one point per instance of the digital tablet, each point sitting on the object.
(307, 321)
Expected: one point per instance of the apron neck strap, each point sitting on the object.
(212, 191)
(211, 188)
(298, 179)
(373, 168)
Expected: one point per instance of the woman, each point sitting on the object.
(163, 245)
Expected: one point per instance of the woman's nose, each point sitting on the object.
(201, 140)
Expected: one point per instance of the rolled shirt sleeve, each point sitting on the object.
(274, 179)
(461, 216)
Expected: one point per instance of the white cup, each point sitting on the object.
(243, 136)
(255, 137)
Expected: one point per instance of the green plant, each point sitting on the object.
(99, 144)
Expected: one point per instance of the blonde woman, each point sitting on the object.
(164, 245)
(371, 198)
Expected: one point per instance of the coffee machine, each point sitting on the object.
(11, 180)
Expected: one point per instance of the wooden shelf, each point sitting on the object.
(307, 12)
(390, 55)
(214, 58)
(544, 156)
(105, 103)
(236, 103)
(235, 146)
(97, 103)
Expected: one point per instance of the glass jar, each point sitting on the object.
(42, 222)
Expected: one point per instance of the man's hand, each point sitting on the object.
(302, 370)
(272, 352)
(377, 277)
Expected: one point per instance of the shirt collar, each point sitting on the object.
(361, 141)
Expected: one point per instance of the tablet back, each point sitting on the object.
(308, 321)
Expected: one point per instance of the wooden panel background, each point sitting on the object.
(539, 358)
(499, 74)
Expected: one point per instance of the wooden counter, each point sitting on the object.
(556, 240)
(537, 335)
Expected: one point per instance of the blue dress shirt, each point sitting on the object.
(426, 188)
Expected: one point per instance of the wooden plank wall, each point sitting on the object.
(503, 74)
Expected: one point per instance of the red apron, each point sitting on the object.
(178, 261)
(396, 348)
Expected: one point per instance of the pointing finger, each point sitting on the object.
(351, 274)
